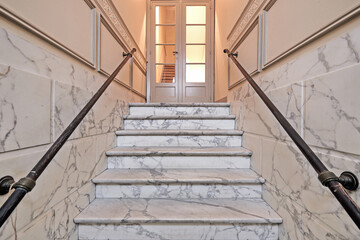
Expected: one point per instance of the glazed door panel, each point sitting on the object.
(180, 51)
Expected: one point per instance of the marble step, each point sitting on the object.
(178, 183)
(172, 138)
(178, 219)
(178, 157)
(179, 122)
(168, 109)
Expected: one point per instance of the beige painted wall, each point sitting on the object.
(133, 13)
(227, 13)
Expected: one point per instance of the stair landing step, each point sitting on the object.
(169, 176)
(179, 151)
(137, 211)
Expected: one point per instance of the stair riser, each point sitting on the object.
(205, 124)
(188, 162)
(171, 111)
(179, 231)
(179, 191)
(173, 141)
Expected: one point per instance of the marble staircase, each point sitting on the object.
(178, 172)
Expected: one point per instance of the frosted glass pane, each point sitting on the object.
(195, 73)
(165, 34)
(195, 54)
(195, 34)
(165, 15)
(164, 54)
(165, 73)
(196, 15)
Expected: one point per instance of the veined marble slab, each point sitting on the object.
(21, 95)
(179, 122)
(178, 157)
(179, 232)
(179, 191)
(178, 183)
(193, 138)
(164, 162)
(170, 176)
(179, 109)
(137, 211)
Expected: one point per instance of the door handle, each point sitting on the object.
(175, 52)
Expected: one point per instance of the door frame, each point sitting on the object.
(211, 44)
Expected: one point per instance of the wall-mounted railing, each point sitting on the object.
(26, 184)
(336, 184)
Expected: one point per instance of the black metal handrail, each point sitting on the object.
(336, 184)
(26, 184)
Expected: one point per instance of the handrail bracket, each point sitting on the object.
(347, 179)
(5, 184)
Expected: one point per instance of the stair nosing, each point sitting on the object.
(253, 178)
(177, 151)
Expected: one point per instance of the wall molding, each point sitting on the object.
(257, 23)
(318, 34)
(109, 11)
(8, 14)
(102, 21)
(250, 12)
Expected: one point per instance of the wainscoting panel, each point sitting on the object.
(248, 50)
(289, 23)
(139, 79)
(67, 24)
(110, 53)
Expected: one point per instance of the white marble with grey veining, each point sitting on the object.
(48, 91)
(193, 138)
(179, 232)
(318, 93)
(165, 162)
(179, 122)
(21, 95)
(127, 211)
(178, 183)
(178, 109)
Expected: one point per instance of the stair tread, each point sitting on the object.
(118, 211)
(179, 117)
(178, 151)
(179, 104)
(203, 176)
(178, 132)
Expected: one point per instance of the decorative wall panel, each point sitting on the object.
(111, 52)
(68, 24)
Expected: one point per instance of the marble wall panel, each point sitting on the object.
(23, 214)
(65, 183)
(21, 95)
(290, 212)
(68, 209)
(58, 89)
(40, 229)
(332, 115)
(254, 143)
(104, 117)
(256, 118)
